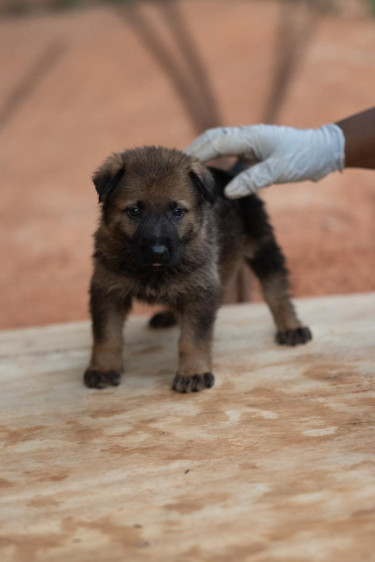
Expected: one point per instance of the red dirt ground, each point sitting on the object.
(77, 86)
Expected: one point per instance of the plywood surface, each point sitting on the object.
(276, 462)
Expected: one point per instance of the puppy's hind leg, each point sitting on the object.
(268, 264)
(265, 258)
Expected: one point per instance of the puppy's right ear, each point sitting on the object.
(203, 181)
(108, 175)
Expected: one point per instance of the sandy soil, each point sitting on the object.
(76, 87)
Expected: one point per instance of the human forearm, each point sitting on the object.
(359, 132)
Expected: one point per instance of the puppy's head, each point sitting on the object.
(155, 200)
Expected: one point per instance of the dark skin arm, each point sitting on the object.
(359, 132)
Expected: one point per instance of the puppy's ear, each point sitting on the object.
(203, 181)
(108, 175)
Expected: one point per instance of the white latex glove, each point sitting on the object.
(283, 154)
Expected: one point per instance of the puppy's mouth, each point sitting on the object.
(157, 266)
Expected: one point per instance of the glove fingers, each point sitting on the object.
(250, 181)
(222, 141)
(204, 146)
(200, 143)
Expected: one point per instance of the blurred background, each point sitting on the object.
(81, 79)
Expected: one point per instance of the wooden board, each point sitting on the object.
(276, 462)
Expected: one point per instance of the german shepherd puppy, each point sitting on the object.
(168, 235)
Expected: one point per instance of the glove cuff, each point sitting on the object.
(332, 140)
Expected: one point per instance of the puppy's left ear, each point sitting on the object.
(203, 181)
(108, 175)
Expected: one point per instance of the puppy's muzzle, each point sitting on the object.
(158, 254)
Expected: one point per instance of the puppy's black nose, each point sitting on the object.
(159, 253)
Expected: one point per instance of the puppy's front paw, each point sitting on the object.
(193, 383)
(294, 337)
(100, 379)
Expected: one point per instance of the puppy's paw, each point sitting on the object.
(294, 337)
(164, 319)
(193, 383)
(101, 379)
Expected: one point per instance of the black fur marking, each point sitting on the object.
(99, 379)
(193, 383)
(105, 185)
(164, 319)
(251, 209)
(268, 260)
(203, 189)
(221, 179)
(255, 218)
(294, 337)
(209, 380)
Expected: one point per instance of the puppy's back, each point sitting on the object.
(241, 223)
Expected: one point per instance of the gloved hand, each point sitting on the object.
(284, 154)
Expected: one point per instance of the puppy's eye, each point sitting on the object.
(178, 212)
(133, 212)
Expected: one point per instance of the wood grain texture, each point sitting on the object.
(276, 462)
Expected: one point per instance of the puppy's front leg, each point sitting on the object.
(196, 319)
(108, 313)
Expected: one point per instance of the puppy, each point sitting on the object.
(168, 235)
